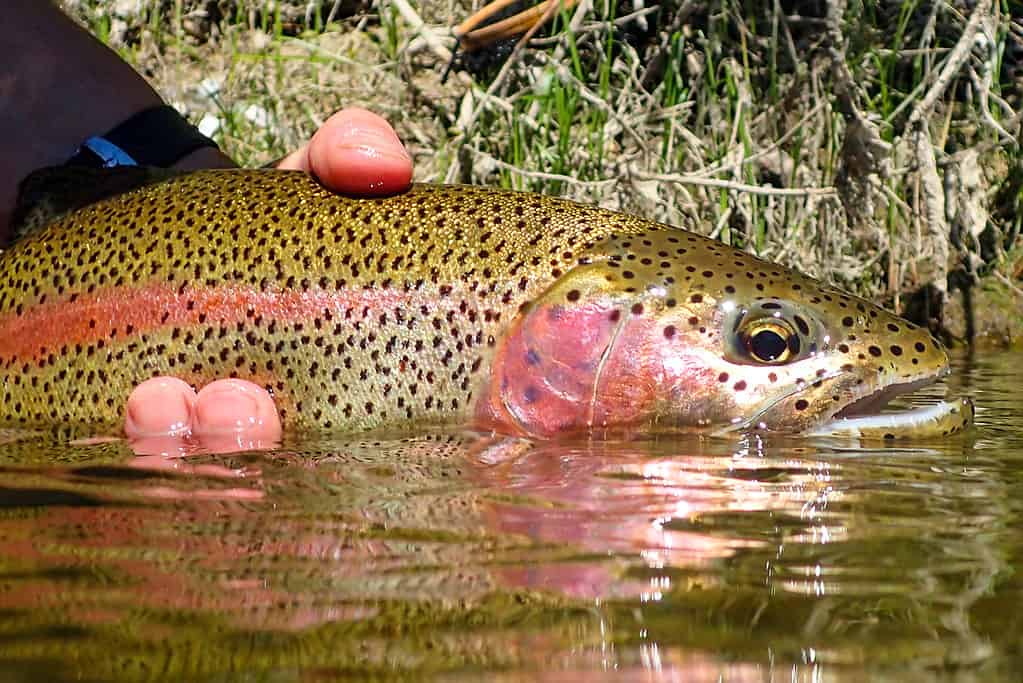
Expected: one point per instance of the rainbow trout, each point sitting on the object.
(503, 310)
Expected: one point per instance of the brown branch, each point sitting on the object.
(762, 190)
(960, 53)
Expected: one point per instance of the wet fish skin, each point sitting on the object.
(445, 304)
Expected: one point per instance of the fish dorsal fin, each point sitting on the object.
(49, 193)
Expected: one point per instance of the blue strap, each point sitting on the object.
(110, 154)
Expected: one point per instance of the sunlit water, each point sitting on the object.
(678, 560)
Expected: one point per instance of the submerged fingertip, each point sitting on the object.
(159, 406)
(239, 407)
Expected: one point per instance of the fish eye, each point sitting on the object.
(770, 341)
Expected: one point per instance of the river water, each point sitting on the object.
(472, 559)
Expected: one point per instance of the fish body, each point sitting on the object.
(503, 310)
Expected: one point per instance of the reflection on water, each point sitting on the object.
(471, 557)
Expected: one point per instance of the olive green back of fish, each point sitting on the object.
(354, 313)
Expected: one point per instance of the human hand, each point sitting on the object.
(355, 152)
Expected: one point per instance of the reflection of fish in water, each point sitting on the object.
(512, 311)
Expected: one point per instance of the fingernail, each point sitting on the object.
(380, 138)
(378, 152)
(226, 406)
(375, 147)
(159, 406)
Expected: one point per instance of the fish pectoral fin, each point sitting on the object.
(49, 193)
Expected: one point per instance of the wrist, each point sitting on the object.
(156, 136)
(204, 157)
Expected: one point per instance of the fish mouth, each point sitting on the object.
(873, 403)
(864, 417)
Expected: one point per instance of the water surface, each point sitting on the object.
(488, 559)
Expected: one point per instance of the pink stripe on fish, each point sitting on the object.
(111, 316)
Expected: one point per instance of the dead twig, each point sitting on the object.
(543, 175)
(796, 128)
(1008, 283)
(960, 53)
(934, 233)
(429, 36)
(865, 158)
(935, 236)
(703, 181)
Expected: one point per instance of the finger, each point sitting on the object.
(233, 414)
(160, 406)
(355, 152)
(165, 417)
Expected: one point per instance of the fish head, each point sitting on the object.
(665, 329)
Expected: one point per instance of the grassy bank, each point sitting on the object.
(870, 143)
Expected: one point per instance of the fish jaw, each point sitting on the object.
(934, 421)
(825, 397)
